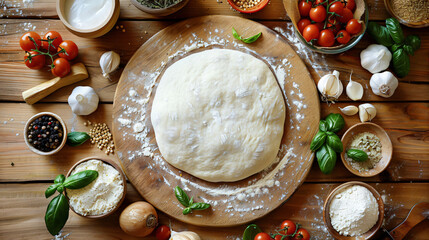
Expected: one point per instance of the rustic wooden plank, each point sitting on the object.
(23, 207)
(195, 8)
(406, 123)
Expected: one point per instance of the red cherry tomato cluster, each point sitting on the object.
(327, 22)
(49, 49)
(288, 230)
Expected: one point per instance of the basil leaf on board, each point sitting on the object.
(60, 179)
(335, 122)
(335, 143)
(357, 155)
(395, 47)
(395, 30)
(414, 41)
(57, 214)
(323, 126)
(380, 34)
(326, 157)
(408, 49)
(51, 189)
(245, 40)
(186, 211)
(401, 63)
(80, 179)
(77, 138)
(318, 140)
(199, 206)
(251, 231)
(182, 196)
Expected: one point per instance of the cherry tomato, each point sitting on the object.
(333, 24)
(52, 35)
(346, 15)
(318, 14)
(288, 227)
(319, 2)
(27, 44)
(71, 50)
(162, 232)
(326, 38)
(343, 37)
(262, 236)
(336, 7)
(304, 8)
(279, 237)
(301, 234)
(310, 32)
(304, 22)
(353, 26)
(351, 4)
(36, 62)
(320, 25)
(61, 68)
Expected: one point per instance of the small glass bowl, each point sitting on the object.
(339, 49)
(388, 4)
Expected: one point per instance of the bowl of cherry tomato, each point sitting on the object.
(331, 26)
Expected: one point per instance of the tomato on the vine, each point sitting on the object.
(71, 50)
(288, 226)
(336, 7)
(351, 4)
(262, 236)
(57, 41)
(346, 15)
(353, 26)
(27, 44)
(320, 2)
(302, 24)
(301, 234)
(36, 61)
(343, 37)
(61, 67)
(162, 232)
(326, 38)
(318, 14)
(310, 32)
(304, 8)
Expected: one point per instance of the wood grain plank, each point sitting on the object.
(23, 207)
(406, 123)
(195, 8)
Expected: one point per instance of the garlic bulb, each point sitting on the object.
(367, 112)
(83, 100)
(375, 58)
(349, 110)
(330, 86)
(109, 62)
(383, 84)
(186, 235)
(354, 90)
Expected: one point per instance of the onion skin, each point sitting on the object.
(139, 219)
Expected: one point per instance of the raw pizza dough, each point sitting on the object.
(219, 115)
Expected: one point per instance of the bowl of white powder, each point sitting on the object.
(104, 195)
(353, 210)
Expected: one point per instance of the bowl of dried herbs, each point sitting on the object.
(159, 7)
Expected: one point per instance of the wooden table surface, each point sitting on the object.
(24, 176)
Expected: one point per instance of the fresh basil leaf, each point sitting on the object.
(236, 35)
(335, 122)
(380, 34)
(409, 50)
(395, 30)
(186, 211)
(245, 40)
(330, 133)
(60, 188)
(80, 179)
(414, 41)
(77, 138)
(182, 196)
(395, 47)
(401, 63)
(199, 206)
(326, 157)
(318, 141)
(357, 155)
(57, 214)
(335, 143)
(51, 189)
(323, 126)
(251, 231)
(60, 179)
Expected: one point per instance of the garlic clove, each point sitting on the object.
(349, 110)
(375, 58)
(330, 86)
(367, 112)
(109, 62)
(383, 84)
(354, 90)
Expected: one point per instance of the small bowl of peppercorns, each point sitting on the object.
(45, 133)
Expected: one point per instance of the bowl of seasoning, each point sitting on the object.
(411, 13)
(101, 197)
(88, 18)
(248, 6)
(45, 133)
(353, 210)
(159, 7)
(367, 149)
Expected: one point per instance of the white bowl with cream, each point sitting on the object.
(88, 18)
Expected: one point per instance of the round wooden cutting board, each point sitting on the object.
(231, 203)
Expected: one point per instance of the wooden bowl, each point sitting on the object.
(95, 32)
(63, 142)
(162, 11)
(421, 24)
(254, 9)
(124, 180)
(386, 149)
(370, 233)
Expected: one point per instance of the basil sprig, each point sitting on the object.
(245, 40)
(77, 138)
(251, 231)
(187, 202)
(326, 157)
(57, 212)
